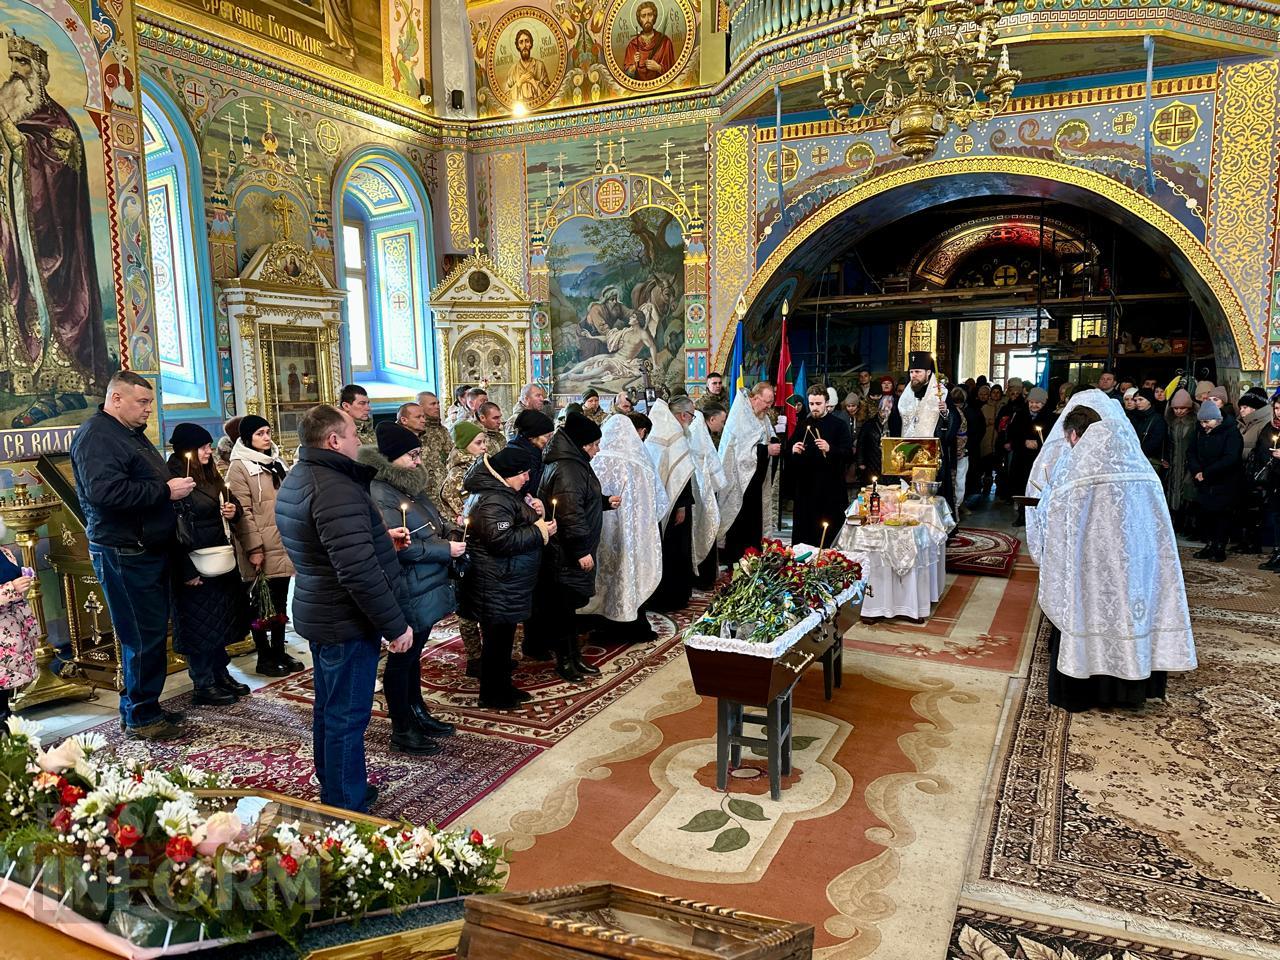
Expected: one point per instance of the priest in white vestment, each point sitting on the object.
(708, 481)
(629, 559)
(1110, 578)
(749, 450)
(669, 450)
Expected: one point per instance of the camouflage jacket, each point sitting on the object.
(436, 445)
(452, 496)
(496, 440)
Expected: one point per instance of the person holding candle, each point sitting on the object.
(254, 476)
(424, 588)
(505, 539)
(209, 611)
(1030, 424)
(469, 444)
(568, 576)
(818, 450)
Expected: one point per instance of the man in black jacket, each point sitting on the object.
(126, 492)
(344, 599)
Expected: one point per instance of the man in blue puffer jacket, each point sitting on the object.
(344, 597)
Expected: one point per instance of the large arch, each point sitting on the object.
(907, 190)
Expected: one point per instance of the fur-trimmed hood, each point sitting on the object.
(411, 481)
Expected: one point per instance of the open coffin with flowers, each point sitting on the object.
(145, 863)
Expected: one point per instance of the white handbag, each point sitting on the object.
(213, 561)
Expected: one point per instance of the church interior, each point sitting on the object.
(252, 203)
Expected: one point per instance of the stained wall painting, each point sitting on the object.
(72, 230)
(408, 28)
(348, 41)
(574, 52)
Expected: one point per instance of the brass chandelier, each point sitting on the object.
(920, 68)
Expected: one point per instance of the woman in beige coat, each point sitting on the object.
(254, 477)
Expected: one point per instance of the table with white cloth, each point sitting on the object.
(904, 566)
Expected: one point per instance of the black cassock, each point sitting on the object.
(676, 586)
(819, 488)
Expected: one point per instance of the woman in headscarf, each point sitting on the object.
(209, 610)
(254, 476)
(1149, 426)
(1180, 432)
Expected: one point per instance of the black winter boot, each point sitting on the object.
(1272, 562)
(568, 668)
(268, 665)
(428, 724)
(406, 737)
(278, 650)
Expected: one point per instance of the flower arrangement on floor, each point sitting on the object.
(772, 589)
(134, 849)
(264, 606)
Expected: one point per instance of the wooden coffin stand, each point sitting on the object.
(596, 920)
(739, 680)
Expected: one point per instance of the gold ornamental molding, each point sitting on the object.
(1196, 254)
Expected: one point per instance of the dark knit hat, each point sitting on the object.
(1209, 411)
(581, 430)
(189, 436)
(1038, 394)
(1256, 398)
(463, 432)
(589, 393)
(510, 461)
(920, 360)
(533, 423)
(394, 440)
(249, 426)
(232, 428)
(1147, 394)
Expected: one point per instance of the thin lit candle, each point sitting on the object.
(823, 539)
(553, 510)
(404, 515)
(188, 463)
(466, 528)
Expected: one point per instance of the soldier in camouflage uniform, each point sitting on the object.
(436, 444)
(354, 400)
(489, 416)
(468, 445)
(591, 407)
(532, 397)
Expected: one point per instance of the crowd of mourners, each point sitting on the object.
(368, 535)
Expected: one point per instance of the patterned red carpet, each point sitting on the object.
(265, 739)
(975, 550)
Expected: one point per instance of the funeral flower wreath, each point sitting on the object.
(772, 589)
(135, 849)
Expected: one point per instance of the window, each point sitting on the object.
(178, 261)
(387, 262)
(355, 276)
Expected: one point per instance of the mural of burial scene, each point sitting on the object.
(577, 52)
(617, 303)
(58, 314)
(616, 285)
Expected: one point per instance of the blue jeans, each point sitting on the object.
(344, 678)
(136, 586)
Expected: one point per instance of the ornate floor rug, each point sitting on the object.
(979, 551)
(557, 707)
(983, 622)
(987, 934)
(265, 741)
(867, 842)
(1162, 819)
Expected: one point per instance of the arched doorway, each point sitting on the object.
(871, 205)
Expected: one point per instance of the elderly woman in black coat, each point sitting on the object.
(505, 537)
(209, 608)
(1214, 464)
(424, 590)
(571, 494)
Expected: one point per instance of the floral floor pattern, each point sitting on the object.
(1166, 814)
